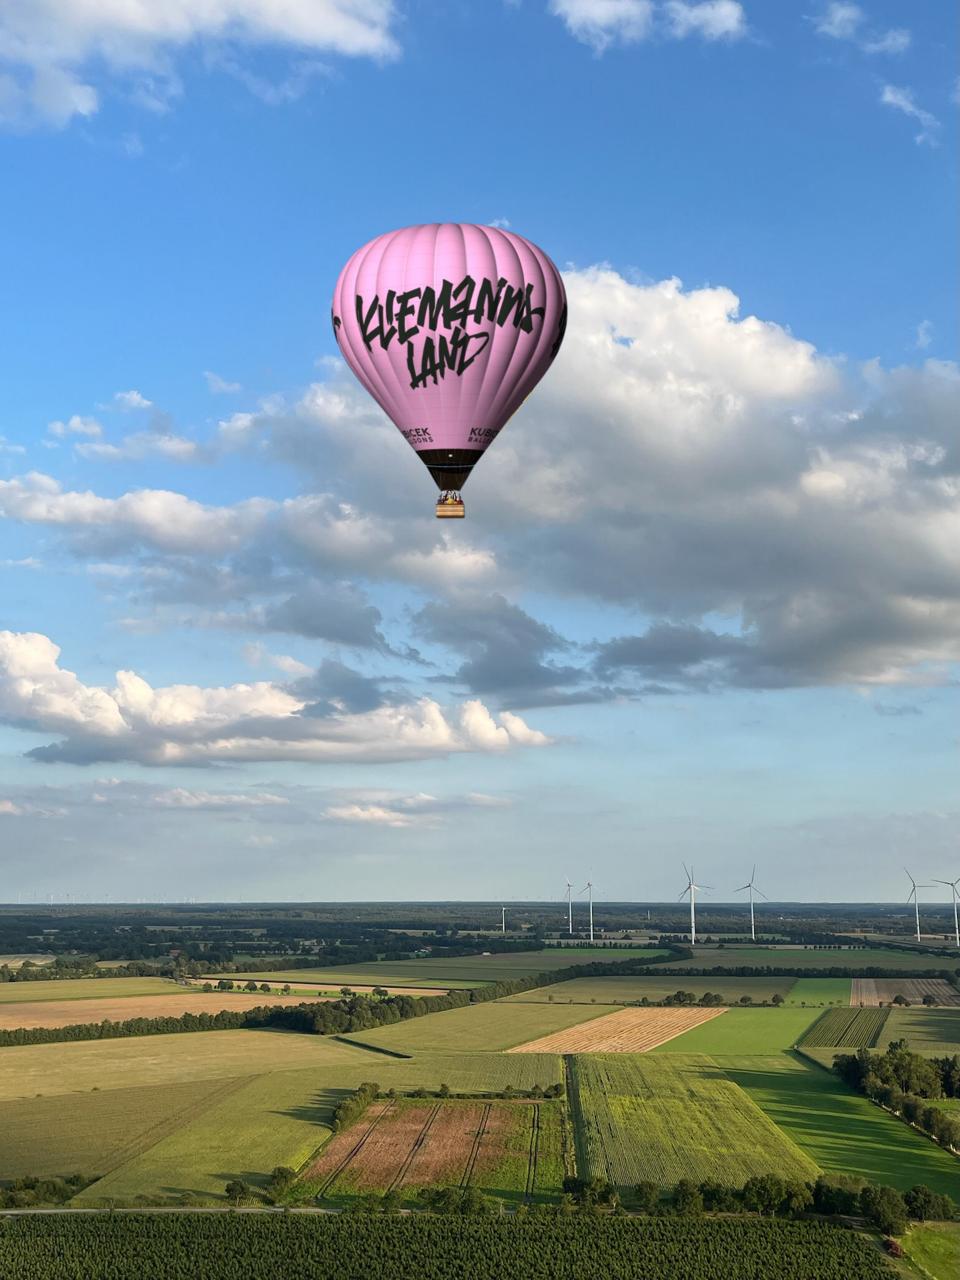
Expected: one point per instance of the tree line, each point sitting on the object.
(908, 1085)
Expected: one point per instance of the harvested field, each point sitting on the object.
(43, 989)
(325, 991)
(853, 1028)
(876, 991)
(66, 1013)
(402, 1146)
(628, 1031)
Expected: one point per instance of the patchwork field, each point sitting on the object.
(514, 1150)
(810, 958)
(925, 1030)
(85, 989)
(628, 990)
(820, 991)
(494, 1027)
(838, 1129)
(65, 1013)
(856, 1028)
(92, 1133)
(661, 1120)
(740, 1031)
(875, 991)
(627, 1031)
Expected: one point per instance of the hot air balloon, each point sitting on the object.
(449, 326)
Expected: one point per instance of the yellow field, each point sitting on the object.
(629, 1031)
(65, 1013)
(84, 989)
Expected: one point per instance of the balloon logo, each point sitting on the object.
(449, 326)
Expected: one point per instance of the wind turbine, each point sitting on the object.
(503, 919)
(692, 888)
(952, 885)
(751, 887)
(588, 890)
(569, 908)
(912, 897)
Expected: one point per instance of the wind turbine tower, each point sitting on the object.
(569, 908)
(692, 888)
(912, 897)
(588, 890)
(751, 888)
(952, 885)
(503, 919)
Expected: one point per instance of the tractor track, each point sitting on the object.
(411, 1154)
(354, 1150)
(475, 1149)
(534, 1152)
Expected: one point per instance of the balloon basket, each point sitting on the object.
(450, 505)
(450, 509)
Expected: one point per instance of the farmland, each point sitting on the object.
(662, 1120)
(820, 991)
(935, 1246)
(800, 958)
(61, 989)
(741, 1031)
(925, 1030)
(629, 990)
(513, 1150)
(857, 1028)
(96, 1131)
(627, 1031)
(263, 1247)
(64, 1013)
(874, 991)
(838, 1129)
(494, 1026)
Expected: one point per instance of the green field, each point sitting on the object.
(820, 991)
(853, 1028)
(628, 990)
(329, 981)
(283, 1117)
(935, 1247)
(451, 971)
(494, 1027)
(742, 1031)
(93, 1132)
(78, 1066)
(801, 958)
(85, 989)
(636, 1118)
(841, 1130)
(925, 1030)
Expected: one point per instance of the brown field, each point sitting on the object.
(877, 991)
(66, 1013)
(419, 1145)
(628, 1031)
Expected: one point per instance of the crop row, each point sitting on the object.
(858, 1028)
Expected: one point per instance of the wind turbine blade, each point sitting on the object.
(910, 877)
(761, 893)
(753, 873)
(742, 888)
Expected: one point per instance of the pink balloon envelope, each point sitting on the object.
(449, 326)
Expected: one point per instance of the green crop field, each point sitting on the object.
(925, 1030)
(627, 990)
(741, 1031)
(935, 1246)
(839, 1129)
(494, 1027)
(636, 1118)
(93, 1132)
(86, 988)
(855, 1028)
(801, 958)
(79, 1066)
(283, 1117)
(329, 981)
(820, 991)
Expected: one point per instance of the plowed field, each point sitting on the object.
(66, 1013)
(628, 1031)
(876, 991)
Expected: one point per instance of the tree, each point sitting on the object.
(765, 1193)
(883, 1208)
(281, 1179)
(380, 992)
(646, 1196)
(250, 985)
(746, 999)
(929, 999)
(237, 1190)
(925, 1205)
(777, 999)
(208, 986)
(687, 1200)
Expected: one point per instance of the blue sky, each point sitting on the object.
(706, 603)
